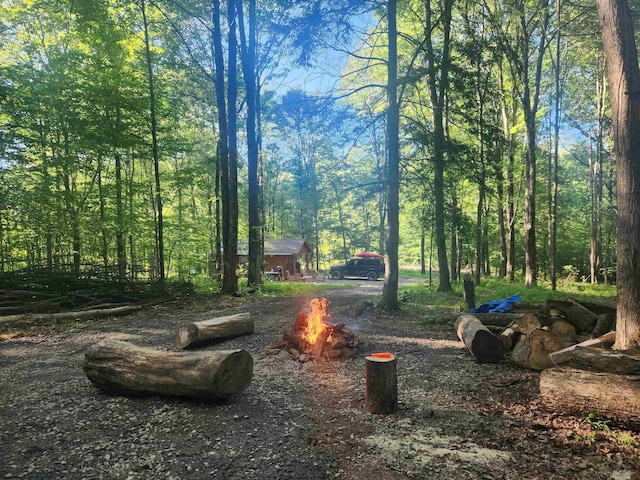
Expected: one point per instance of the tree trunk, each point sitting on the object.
(154, 146)
(624, 79)
(125, 369)
(582, 393)
(390, 290)
(198, 334)
(248, 59)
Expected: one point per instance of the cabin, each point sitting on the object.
(292, 255)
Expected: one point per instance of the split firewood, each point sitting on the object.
(485, 346)
(126, 369)
(198, 334)
(563, 355)
(533, 351)
(580, 392)
(320, 344)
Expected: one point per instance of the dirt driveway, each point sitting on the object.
(457, 419)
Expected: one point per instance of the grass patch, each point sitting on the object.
(423, 298)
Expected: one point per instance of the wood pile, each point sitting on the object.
(570, 343)
(314, 337)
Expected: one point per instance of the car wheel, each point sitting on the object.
(372, 276)
(336, 274)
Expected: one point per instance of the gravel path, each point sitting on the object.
(296, 420)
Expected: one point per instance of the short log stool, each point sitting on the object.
(382, 383)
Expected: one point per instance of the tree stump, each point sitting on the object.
(198, 334)
(126, 369)
(485, 346)
(382, 384)
(469, 292)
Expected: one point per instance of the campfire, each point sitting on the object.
(314, 337)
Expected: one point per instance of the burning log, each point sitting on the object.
(382, 383)
(315, 337)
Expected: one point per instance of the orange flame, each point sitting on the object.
(315, 320)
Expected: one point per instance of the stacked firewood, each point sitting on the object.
(570, 342)
(334, 342)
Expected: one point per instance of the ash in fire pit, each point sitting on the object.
(315, 338)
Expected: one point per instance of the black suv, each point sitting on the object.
(369, 267)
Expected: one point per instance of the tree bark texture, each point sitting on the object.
(198, 334)
(390, 291)
(624, 78)
(486, 347)
(126, 369)
(580, 392)
(381, 384)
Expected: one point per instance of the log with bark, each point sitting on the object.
(563, 355)
(78, 315)
(605, 360)
(125, 369)
(523, 326)
(484, 346)
(381, 383)
(533, 351)
(580, 392)
(198, 334)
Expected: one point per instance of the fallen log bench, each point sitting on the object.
(126, 369)
(198, 334)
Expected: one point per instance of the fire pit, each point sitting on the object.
(314, 337)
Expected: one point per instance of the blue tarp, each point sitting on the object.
(498, 306)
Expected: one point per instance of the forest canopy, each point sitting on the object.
(111, 127)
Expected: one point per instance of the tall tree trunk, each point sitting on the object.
(248, 59)
(624, 80)
(154, 146)
(390, 290)
(438, 81)
(455, 216)
(230, 203)
(553, 164)
(222, 149)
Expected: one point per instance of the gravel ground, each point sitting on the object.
(456, 418)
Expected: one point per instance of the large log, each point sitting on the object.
(580, 392)
(563, 355)
(126, 369)
(77, 315)
(485, 346)
(381, 383)
(198, 334)
(604, 360)
(533, 351)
